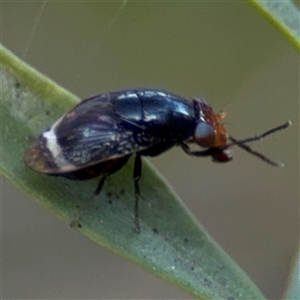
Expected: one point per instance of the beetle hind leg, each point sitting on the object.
(106, 168)
(137, 172)
(100, 185)
(75, 221)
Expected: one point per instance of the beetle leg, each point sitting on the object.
(199, 153)
(137, 172)
(100, 185)
(189, 141)
(75, 221)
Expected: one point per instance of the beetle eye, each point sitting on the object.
(204, 135)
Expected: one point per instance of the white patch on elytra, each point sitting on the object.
(55, 149)
(52, 144)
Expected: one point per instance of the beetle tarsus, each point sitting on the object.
(137, 172)
(136, 214)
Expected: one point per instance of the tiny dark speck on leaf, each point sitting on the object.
(17, 85)
(186, 240)
(155, 230)
(192, 268)
(207, 282)
(77, 206)
(122, 192)
(47, 112)
(110, 202)
(108, 194)
(79, 225)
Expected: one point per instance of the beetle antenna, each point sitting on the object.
(241, 143)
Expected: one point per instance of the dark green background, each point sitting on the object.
(226, 53)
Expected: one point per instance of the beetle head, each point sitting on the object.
(209, 132)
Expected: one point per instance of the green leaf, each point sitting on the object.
(171, 244)
(284, 15)
(293, 288)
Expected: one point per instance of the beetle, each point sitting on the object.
(98, 135)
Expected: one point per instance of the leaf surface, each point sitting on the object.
(172, 244)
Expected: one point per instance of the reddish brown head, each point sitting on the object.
(209, 133)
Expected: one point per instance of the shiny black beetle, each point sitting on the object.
(99, 134)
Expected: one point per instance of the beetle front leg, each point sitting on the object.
(199, 153)
(137, 172)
